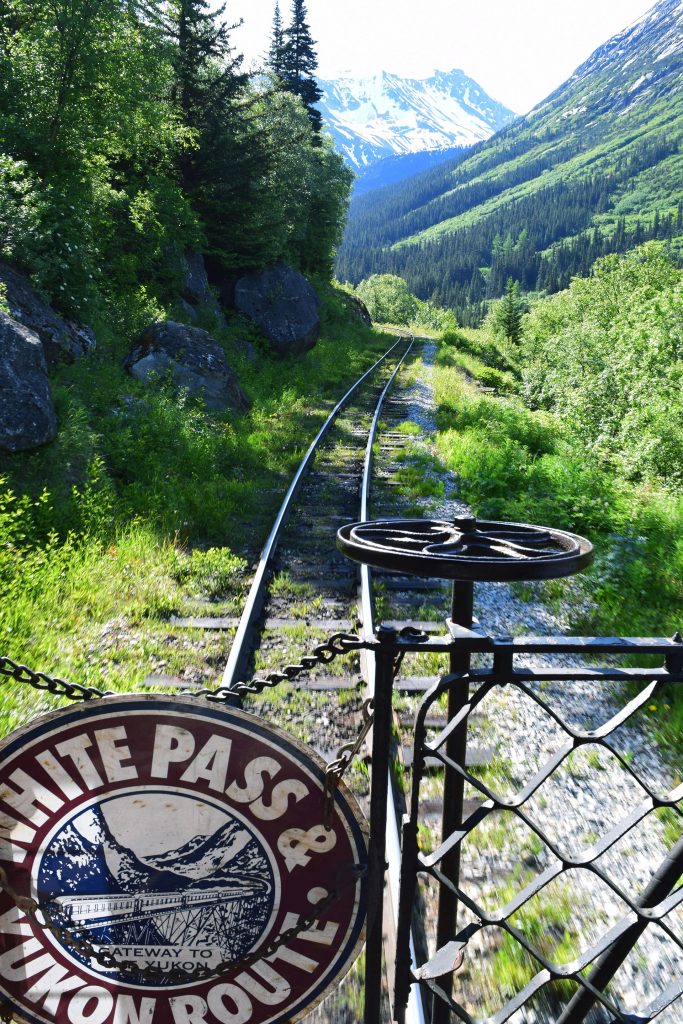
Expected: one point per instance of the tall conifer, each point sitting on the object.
(207, 78)
(275, 58)
(300, 63)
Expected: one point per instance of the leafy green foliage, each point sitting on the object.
(607, 356)
(299, 63)
(129, 134)
(605, 351)
(145, 501)
(505, 316)
(389, 301)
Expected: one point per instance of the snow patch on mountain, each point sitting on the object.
(386, 115)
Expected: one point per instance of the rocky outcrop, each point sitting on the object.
(62, 341)
(193, 360)
(196, 291)
(27, 413)
(195, 288)
(358, 309)
(284, 305)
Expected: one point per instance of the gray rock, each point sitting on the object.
(195, 361)
(189, 311)
(359, 309)
(196, 290)
(27, 413)
(195, 283)
(284, 305)
(62, 341)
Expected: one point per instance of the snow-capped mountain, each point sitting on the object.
(636, 67)
(96, 863)
(386, 115)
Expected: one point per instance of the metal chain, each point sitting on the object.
(323, 654)
(72, 938)
(345, 755)
(52, 684)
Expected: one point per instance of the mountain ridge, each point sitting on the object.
(596, 167)
(387, 115)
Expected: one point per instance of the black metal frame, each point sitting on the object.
(465, 551)
(654, 904)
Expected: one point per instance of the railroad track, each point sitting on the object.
(304, 590)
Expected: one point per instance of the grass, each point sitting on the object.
(147, 505)
(513, 463)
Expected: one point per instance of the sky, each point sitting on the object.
(519, 51)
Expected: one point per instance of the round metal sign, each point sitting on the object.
(183, 866)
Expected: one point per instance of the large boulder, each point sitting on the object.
(358, 308)
(196, 290)
(27, 414)
(62, 341)
(194, 360)
(284, 305)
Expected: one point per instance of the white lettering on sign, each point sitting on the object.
(253, 780)
(75, 749)
(211, 764)
(290, 956)
(13, 922)
(126, 1011)
(11, 833)
(296, 844)
(171, 743)
(278, 988)
(113, 754)
(59, 775)
(280, 800)
(28, 795)
(188, 1009)
(92, 1005)
(229, 1004)
(52, 985)
(325, 935)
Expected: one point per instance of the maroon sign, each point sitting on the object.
(170, 845)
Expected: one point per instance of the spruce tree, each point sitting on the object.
(275, 60)
(509, 312)
(207, 80)
(300, 62)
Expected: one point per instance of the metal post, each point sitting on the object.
(661, 885)
(381, 744)
(462, 611)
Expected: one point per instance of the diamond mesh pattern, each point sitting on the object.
(580, 863)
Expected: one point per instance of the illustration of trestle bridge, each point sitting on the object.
(176, 918)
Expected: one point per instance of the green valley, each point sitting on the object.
(594, 169)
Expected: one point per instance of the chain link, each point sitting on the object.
(51, 684)
(323, 654)
(337, 645)
(345, 755)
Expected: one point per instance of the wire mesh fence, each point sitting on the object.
(569, 904)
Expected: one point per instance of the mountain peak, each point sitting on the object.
(386, 114)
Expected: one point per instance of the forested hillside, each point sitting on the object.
(129, 133)
(597, 168)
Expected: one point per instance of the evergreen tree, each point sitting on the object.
(207, 81)
(300, 62)
(508, 313)
(275, 60)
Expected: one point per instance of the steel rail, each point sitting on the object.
(414, 1010)
(240, 649)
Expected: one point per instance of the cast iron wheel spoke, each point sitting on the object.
(465, 549)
